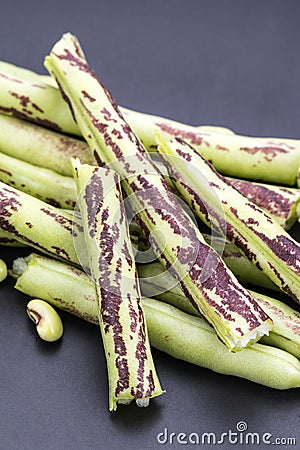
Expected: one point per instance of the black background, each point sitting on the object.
(232, 63)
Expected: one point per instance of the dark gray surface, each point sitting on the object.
(232, 63)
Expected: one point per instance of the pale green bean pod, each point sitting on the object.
(170, 330)
(44, 184)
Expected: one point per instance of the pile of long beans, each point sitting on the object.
(201, 305)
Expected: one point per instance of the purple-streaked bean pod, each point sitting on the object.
(48, 104)
(32, 97)
(45, 184)
(286, 331)
(37, 224)
(171, 330)
(231, 154)
(262, 240)
(40, 146)
(208, 283)
(131, 371)
(24, 95)
(281, 203)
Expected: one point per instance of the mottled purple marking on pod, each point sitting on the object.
(9, 203)
(265, 198)
(5, 240)
(283, 284)
(107, 115)
(123, 372)
(57, 204)
(164, 204)
(232, 254)
(194, 137)
(222, 148)
(290, 321)
(38, 86)
(25, 101)
(268, 152)
(251, 221)
(117, 133)
(59, 252)
(127, 255)
(65, 222)
(93, 196)
(82, 65)
(8, 77)
(239, 240)
(141, 356)
(27, 115)
(6, 172)
(257, 208)
(88, 96)
(285, 248)
(240, 331)
(133, 315)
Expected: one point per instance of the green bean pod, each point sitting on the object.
(37, 224)
(279, 202)
(131, 371)
(45, 184)
(262, 240)
(231, 154)
(39, 146)
(285, 333)
(179, 334)
(177, 241)
(27, 96)
(286, 328)
(192, 339)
